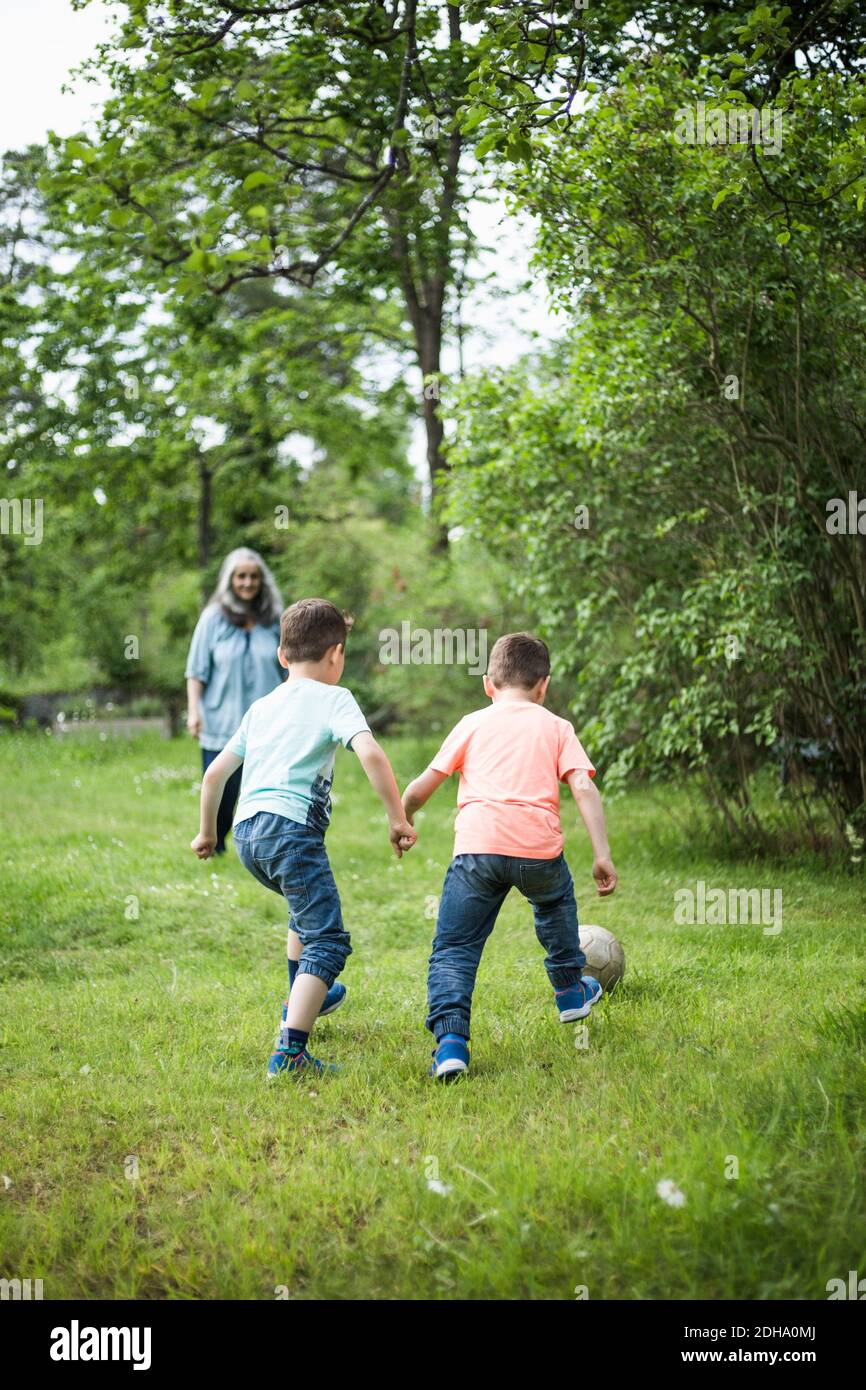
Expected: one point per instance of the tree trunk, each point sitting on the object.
(429, 345)
(424, 291)
(204, 523)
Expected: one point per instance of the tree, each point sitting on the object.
(158, 435)
(704, 413)
(297, 143)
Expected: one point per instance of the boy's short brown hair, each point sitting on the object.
(310, 627)
(518, 658)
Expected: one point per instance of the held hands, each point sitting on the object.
(203, 845)
(605, 876)
(402, 836)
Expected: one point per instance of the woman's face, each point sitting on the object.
(246, 581)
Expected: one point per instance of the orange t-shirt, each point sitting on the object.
(511, 757)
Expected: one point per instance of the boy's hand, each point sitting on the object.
(605, 876)
(402, 836)
(203, 845)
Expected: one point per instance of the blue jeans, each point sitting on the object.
(476, 886)
(291, 859)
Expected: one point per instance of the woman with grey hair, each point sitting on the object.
(232, 662)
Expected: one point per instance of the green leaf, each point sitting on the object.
(257, 180)
(474, 117)
(486, 143)
(245, 90)
(519, 148)
(79, 150)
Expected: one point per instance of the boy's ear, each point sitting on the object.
(282, 659)
(541, 688)
(489, 687)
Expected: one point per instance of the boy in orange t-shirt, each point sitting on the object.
(511, 757)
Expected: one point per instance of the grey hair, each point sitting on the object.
(267, 605)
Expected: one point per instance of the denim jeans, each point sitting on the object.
(229, 801)
(476, 886)
(291, 859)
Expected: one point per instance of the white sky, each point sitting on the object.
(44, 39)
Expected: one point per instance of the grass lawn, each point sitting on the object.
(146, 1156)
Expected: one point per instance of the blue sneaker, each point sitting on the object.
(451, 1057)
(332, 1001)
(576, 1000)
(283, 1060)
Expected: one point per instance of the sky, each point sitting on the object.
(44, 39)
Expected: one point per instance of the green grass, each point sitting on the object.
(147, 1040)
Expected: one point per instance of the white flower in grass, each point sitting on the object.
(85, 1070)
(7, 1182)
(435, 1185)
(670, 1193)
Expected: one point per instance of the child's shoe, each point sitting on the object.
(294, 1059)
(451, 1057)
(332, 1000)
(576, 1000)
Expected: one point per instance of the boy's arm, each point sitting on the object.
(586, 794)
(374, 761)
(212, 785)
(420, 791)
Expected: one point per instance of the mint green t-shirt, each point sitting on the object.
(287, 741)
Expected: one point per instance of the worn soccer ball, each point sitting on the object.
(605, 958)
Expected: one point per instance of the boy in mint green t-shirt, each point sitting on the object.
(287, 742)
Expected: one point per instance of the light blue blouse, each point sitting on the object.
(235, 667)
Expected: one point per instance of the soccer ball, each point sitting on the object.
(605, 958)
